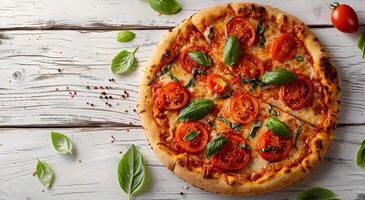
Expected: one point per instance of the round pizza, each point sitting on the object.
(240, 99)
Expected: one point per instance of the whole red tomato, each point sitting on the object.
(344, 18)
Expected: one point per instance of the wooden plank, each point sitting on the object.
(33, 91)
(117, 14)
(91, 172)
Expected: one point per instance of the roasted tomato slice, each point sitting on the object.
(186, 62)
(298, 93)
(251, 66)
(272, 147)
(195, 144)
(283, 48)
(234, 155)
(216, 83)
(243, 108)
(243, 30)
(172, 96)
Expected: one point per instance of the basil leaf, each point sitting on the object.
(210, 34)
(172, 76)
(124, 62)
(225, 95)
(131, 171)
(317, 193)
(125, 36)
(215, 145)
(231, 125)
(195, 110)
(299, 58)
(272, 111)
(44, 173)
(254, 129)
(360, 157)
(278, 76)
(191, 135)
(166, 7)
(195, 72)
(278, 127)
(243, 146)
(268, 149)
(260, 33)
(253, 82)
(232, 51)
(299, 131)
(200, 58)
(61, 143)
(361, 45)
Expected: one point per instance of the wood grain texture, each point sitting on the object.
(117, 14)
(39, 69)
(91, 172)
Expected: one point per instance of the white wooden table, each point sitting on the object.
(51, 48)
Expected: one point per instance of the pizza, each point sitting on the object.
(240, 99)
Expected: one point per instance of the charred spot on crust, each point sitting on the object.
(253, 7)
(285, 19)
(166, 54)
(319, 144)
(287, 171)
(328, 70)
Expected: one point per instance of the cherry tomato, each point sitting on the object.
(251, 66)
(272, 147)
(172, 96)
(298, 93)
(243, 30)
(283, 48)
(186, 62)
(243, 108)
(234, 155)
(216, 83)
(344, 18)
(195, 145)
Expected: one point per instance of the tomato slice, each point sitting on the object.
(216, 83)
(233, 156)
(172, 96)
(189, 64)
(195, 145)
(298, 93)
(272, 147)
(283, 48)
(243, 108)
(251, 66)
(243, 30)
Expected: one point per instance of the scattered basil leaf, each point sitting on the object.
(215, 145)
(191, 135)
(361, 45)
(166, 70)
(360, 157)
(317, 193)
(260, 33)
(243, 146)
(278, 76)
(231, 125)
(124, 62)
(272, 111)
(278, 127)
(297, 134)
(44, 173)
(254, 129)
(225, 95)
(200, 58)
(131, 172)
(166, 7)
(232, 51)
(61, 143)
(197, 109)
(210, 34)
(253, 82)
(125, 36)
(268, 149)
(299, 58)
(172, 76)
(195, 72)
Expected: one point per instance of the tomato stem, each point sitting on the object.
(334, 5)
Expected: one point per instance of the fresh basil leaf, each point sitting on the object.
(44, 173)
(125, 36)
(268, 149)
(361, 45)
(166, 7)
(191, 83)
(61, 143)
(299, 58)
(124, 62)
(172, 76)
(360, 157)
(225, 95)
(317, 193)
(195, 72)
(191, 135)
(231, 125)
(164, 70)
(299, 131)
(278, 76)
(243, 146)
(215, 145)
(131, 172)
(278, 127)
(272, 111)
(210, 34)
(232, 51)
(253, 82)
(260, 33)
(195, 110)
(200, 58)
(254, 129)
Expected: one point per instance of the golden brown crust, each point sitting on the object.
(226, 184)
